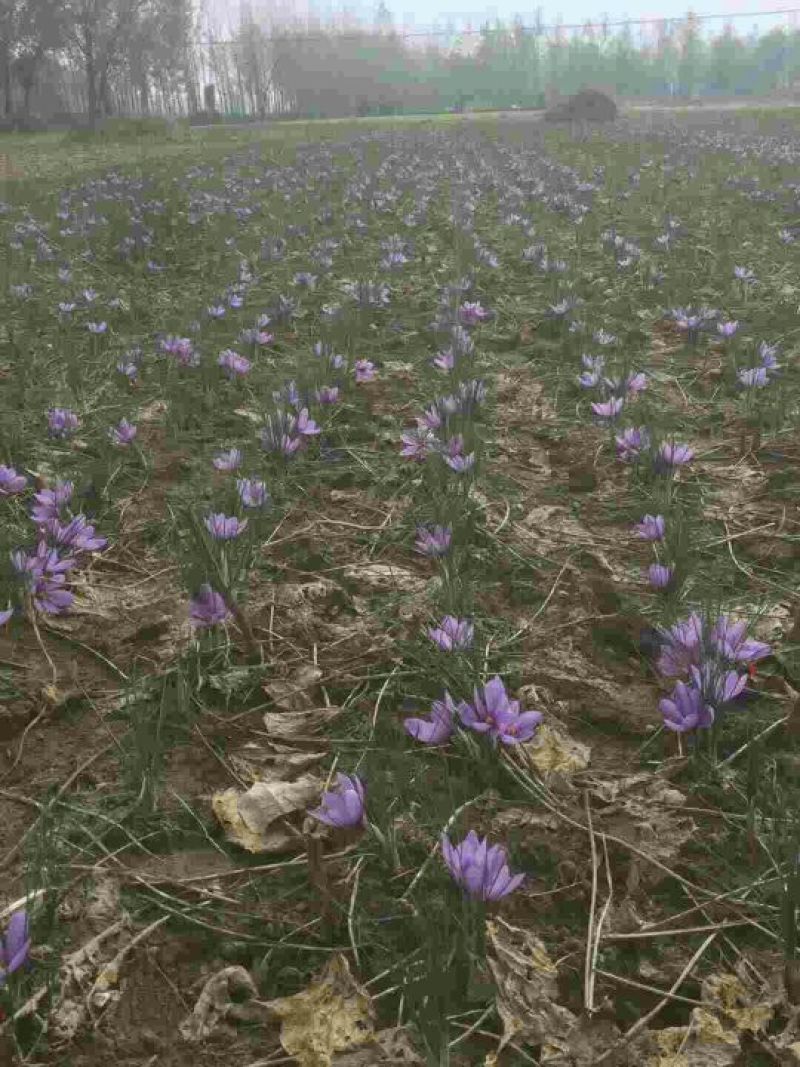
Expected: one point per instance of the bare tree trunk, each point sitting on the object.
(5, 62)
(91, 76)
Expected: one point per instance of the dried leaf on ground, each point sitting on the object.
(216, 1001)
(388, 1048)
(292, 694)
(738, 1002)
(653, 823)
(553, 752)
(270, 761)
(704, 1043)
(332, 1015)
(298, 726)
(527, 987)
(255, 820)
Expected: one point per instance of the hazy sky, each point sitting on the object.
(421, 15)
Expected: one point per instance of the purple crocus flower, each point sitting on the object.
(681, 646)
(452, 634)
(216, 311)
(123, 434)
(608, 409)
(671, 455)
(228, 461)
(78, 534)
(651, 528)
(49, 502)
(208, 608)
(685, 709)
(753, 378)
(232, 364)
(44, 562)
(252, 492)
(304, 425)
(225, 527)
(343, 806)
(11, 483)
(439, 728)
(182, 350)
(97, 327)
(659, 575)
(417, 444)
(727, 329)
(494, 714)
(62, 422)
(49, 595)
(631, 443)
(6, 615)
(14, 945)
(718, 685)
(277, 435)
(365, 370)
(433, 542)
(482, 872)
(471, 314)
(767, 354)
(327, 394)
(445, 360)
(731, 640)
(460, 464)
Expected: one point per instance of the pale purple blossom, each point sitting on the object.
(208, 608)
(685, 709)
(62, 422)
(494, 714)
(225, 527)
(252, 492)
(15, 945)
(11, 483)
(344, 805)
(232, 364)
(123, 434)
(452, 634)
(433, 542)
(228, 461)
(660, 575)
(439, 728)
(608, 409)
(482, 872)
(364, 370)
(651, 528)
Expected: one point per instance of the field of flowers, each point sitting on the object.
(399, 553)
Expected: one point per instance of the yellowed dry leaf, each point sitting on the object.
(250, 819)
(729, 995)
(334, 1014)
(704, 1043)
(527, 987)
(553, 751)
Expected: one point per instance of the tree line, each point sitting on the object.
(143, 57)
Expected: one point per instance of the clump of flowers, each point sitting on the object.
(708, 657)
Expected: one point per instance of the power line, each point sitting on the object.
(558, 27)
